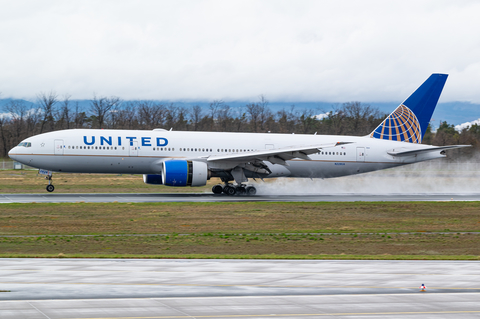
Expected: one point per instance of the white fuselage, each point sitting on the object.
(142, 152)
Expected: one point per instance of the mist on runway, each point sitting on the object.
(436, 177)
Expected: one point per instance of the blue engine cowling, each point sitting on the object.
(184, 173)
(153, 179)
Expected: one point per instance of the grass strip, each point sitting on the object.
(240, 217)
(234, 256)
(322, 230)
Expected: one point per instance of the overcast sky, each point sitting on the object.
(287, 50)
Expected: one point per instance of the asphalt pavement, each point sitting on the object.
(106, 288)
(208, 197)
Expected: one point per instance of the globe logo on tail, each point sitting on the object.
(401, 125)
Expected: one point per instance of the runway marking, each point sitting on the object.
(174, 309)
(38, 310)
(226, 285)
(221, 297)
(300, 315)
(240, 272)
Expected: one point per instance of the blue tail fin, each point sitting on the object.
(409, 121)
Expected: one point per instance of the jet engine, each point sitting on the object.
(184, 173)
(152, 179)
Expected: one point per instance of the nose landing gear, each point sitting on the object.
(50, 187)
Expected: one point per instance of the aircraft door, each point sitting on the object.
(134, 149)
(360, 154)
(269, 146)
(59, 147)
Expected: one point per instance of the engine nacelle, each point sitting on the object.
(184, 173)
(153, 179)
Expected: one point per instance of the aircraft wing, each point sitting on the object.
(275, 156)
(408, 152)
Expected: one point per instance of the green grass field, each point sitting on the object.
(383, 230)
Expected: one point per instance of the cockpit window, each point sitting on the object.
(25, 144)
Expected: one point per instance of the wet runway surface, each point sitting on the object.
(102, 288)
(204, 197)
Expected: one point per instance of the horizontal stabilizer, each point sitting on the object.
(402, 151)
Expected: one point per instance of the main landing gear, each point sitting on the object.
(230, 189)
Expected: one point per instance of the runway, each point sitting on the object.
(207, 197)
(102, 288)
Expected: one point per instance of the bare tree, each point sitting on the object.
(47, 103)
(151, 115)
(3, 135)
(101, 107)
(171, 116)
(181, 120)
(361, 117)
(196, 116)
(253, 110)
(65, 114)
(18, 112)
(79, 117)
(224, 118)
(214, 107)
(127, 116)
(265, 113)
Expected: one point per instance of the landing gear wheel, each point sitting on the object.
(50, 188)
(217, 189)
(240, 190)
(251, 190)
(229, 190)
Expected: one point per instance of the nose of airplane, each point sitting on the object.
(11, 153)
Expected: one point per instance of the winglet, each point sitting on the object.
(409, 121)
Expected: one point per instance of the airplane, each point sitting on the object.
(179, 159)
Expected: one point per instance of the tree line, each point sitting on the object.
(52, 112)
